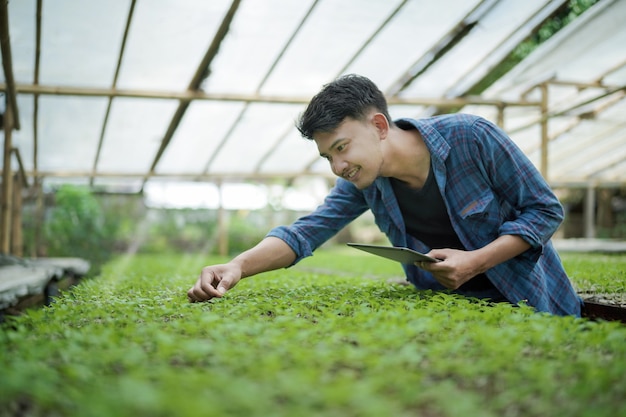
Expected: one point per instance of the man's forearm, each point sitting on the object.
(269, 254)
(501, 250)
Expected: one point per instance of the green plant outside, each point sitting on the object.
(328, 337)
(77, 227)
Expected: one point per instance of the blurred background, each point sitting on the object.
(148, 126)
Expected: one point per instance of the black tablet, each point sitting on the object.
(400, 254)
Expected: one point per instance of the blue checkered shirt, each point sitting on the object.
(490, 189)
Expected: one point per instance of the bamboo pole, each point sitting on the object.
(189, 95)
(544, 130)
(38, 249)
(7, 183)
(7, 64)
(17, 237)
(222, 223)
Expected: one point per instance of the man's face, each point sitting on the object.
(353, 151)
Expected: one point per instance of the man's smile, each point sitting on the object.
(350, 174)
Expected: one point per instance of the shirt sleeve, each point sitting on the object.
(517, 182)
(343, 204)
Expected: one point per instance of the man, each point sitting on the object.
(454, 186)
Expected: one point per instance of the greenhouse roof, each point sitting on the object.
(123, 93)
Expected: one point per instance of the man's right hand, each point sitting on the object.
(214, 281)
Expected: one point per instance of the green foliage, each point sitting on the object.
(76, 227)
(178, 231)
(304, 341)
(551, 26)
(244, 231)
(598, 273)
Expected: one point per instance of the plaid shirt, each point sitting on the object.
(490, 189)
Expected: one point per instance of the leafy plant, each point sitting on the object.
(311, 340)
(76, 227)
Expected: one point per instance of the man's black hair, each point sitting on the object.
(352, 96)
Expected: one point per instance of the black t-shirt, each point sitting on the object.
(426, 218)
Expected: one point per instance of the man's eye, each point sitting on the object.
(341, 147)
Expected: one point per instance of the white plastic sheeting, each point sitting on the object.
(278, 50)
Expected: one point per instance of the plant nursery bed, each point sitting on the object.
(328, 337)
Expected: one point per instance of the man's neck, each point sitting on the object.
(407, 157)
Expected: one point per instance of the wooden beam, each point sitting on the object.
(548, 115)
(7, 64)
(187, 176)
(7, 184)
(17, 237)
(243, 111)
(373, 36)
(544, 131)
(251, 98)
(20, 167)
(272, 176)
(589, 212)
(36, 96)
(443, 46)
(107, 113)
(194, 85)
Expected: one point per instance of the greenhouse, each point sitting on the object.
(143, 141)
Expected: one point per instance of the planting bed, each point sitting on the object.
(329, 337)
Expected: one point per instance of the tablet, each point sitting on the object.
(400, 254)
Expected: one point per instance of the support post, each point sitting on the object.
(38, 249)
(590, 212)
(7, 183)
(500, 120)
(17, 239)
(544, 130)
(222, 223)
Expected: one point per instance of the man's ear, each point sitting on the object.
(381, 124)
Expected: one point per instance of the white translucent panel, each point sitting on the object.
(571, 149)
(23, 139)
(169, 194)
(500, 22)
(321, 166)
(408, 37)
(53, 183)
(582, 51)
(22, 34)
(616, 76)
(614, 172)
(134, 133)
(305, 194)
(403, 111)
(255, 135)
(81, 41)
(259, 32)
(292, 154)
(488, 112)
(69, 129)
(200, 132)
(167, 41)
(231, 196)
(243, 196)
(574, 101)
(592, 154)
(334, 31)
(527, 19)
(614, 113)
(118, 185)
(528, 140)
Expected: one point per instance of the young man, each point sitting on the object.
(455, 187)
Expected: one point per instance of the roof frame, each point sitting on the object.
(107, 112)
(194, 85)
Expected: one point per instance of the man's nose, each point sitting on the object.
(338, 165)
